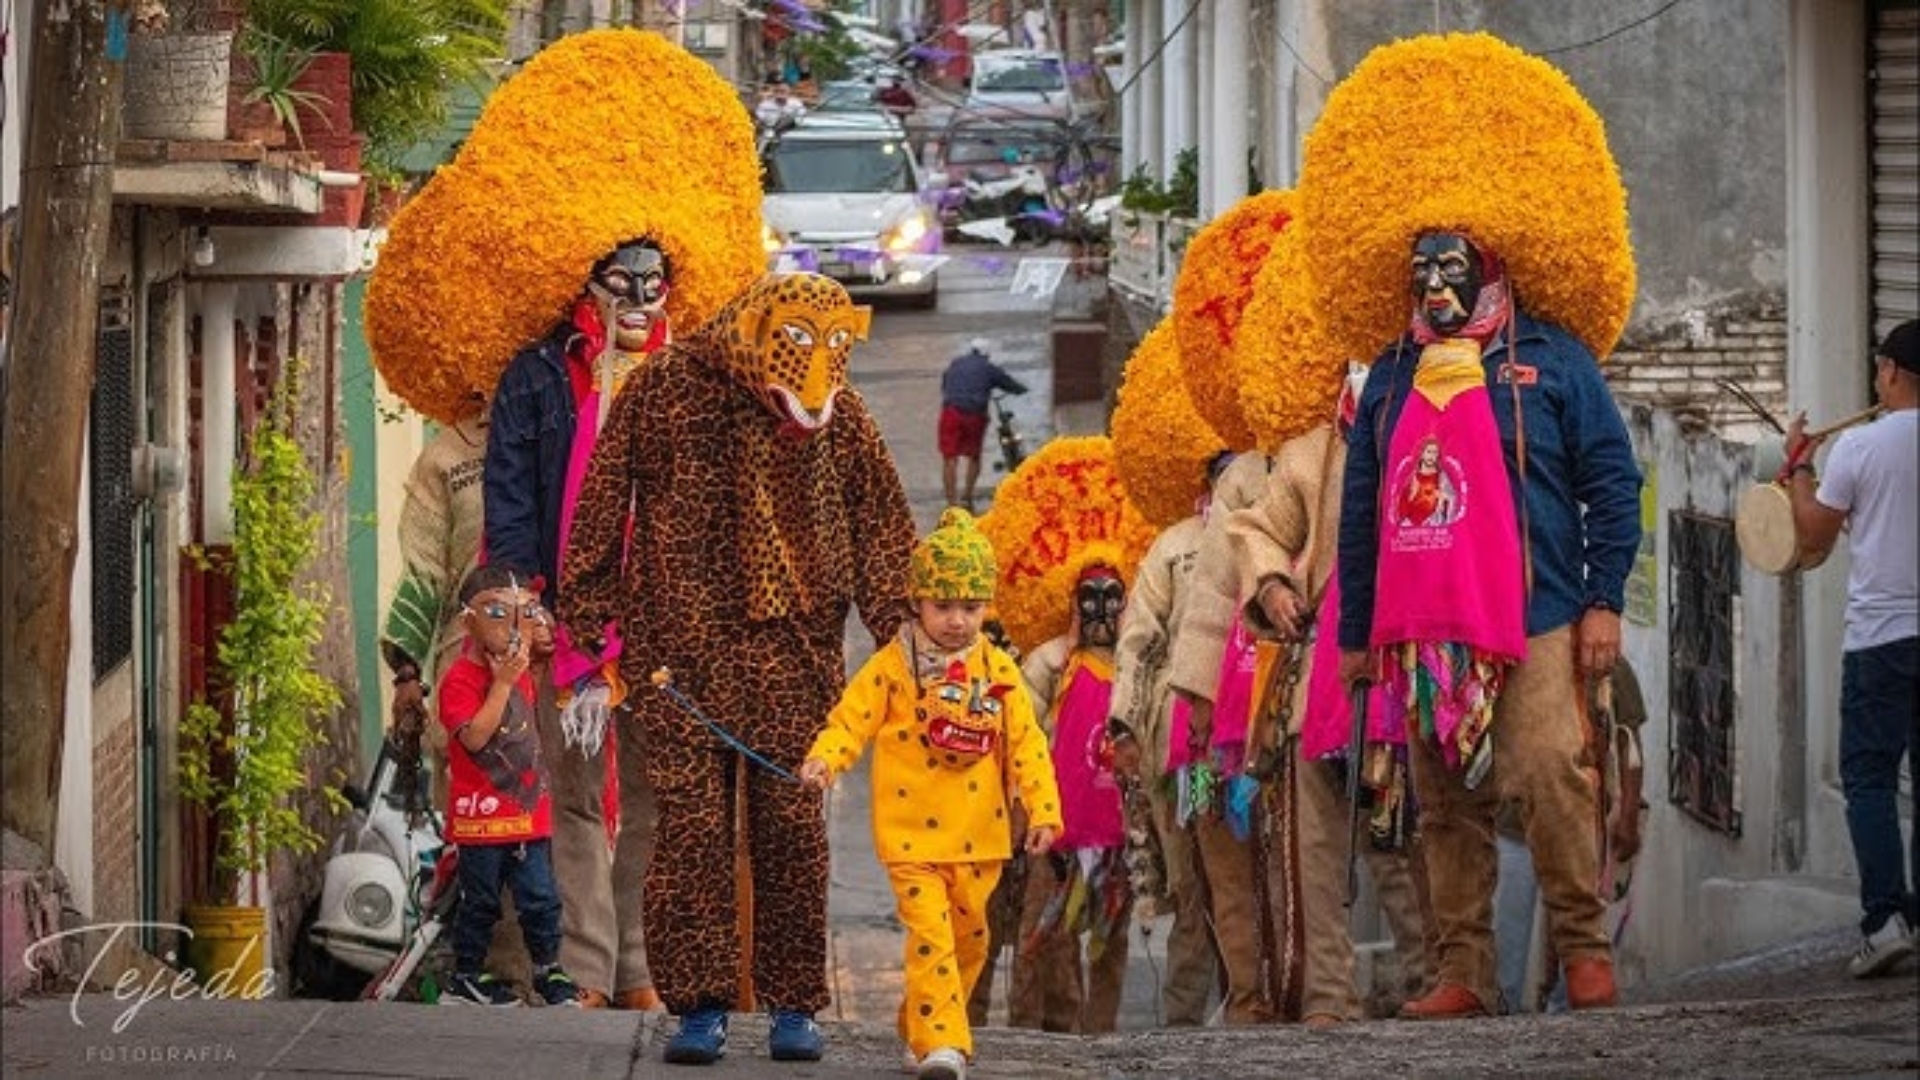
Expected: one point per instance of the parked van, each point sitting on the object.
(844, 197)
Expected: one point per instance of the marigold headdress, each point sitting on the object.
(1464, 132)
(1062, 510)
(604, 136)
(1215, 282)
(1161, 445)
(1288, 372)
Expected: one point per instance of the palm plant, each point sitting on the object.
(408, 55)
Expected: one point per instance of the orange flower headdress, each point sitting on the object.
(1161, 445)
(1288, 372)
(1209, 296)
(604, 136)
(1061, 511)
(1463, 132)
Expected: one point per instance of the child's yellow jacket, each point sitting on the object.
(925, 808)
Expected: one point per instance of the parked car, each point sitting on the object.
(846, 198)
(1029, 84)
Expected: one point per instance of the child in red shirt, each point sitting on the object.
(500, 810)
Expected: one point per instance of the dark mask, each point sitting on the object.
(1446, 281)
(634, 274)
(1099, 601)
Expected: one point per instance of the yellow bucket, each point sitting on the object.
(228, 951)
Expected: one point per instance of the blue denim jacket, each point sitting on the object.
(1578, 455)
(529, 440)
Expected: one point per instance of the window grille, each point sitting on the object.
(1703, 579)
(110, 445)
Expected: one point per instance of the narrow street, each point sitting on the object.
(1788, 1011)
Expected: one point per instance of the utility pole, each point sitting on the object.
(66, 203)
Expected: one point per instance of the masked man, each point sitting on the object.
(1484, 619)
(552, 400)
(1141, 727)
(766, 506)
(1082, 886)
(1283, 548)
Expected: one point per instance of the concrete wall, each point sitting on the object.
(1696, 111)
(1699, 894)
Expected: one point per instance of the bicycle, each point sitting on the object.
(1013, 449)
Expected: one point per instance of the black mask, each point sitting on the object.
(1446, 280)
(635, 273)
(1099, 602)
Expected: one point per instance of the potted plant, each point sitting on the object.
(177, 70)
(247, 762)
(406, 57)
(267, 86)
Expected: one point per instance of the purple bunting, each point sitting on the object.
(1081, 70)
(932, 54)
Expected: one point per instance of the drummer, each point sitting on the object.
(1871, 475)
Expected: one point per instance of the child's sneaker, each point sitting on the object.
(466, 988)
(556, 987)
(945, 1063)
(1882, 949)
(909, 1063)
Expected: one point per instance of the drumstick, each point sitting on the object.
(1860, 417)
(1752, 403)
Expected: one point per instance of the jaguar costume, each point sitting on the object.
(767, 505)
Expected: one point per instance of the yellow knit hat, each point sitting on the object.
(955, 561)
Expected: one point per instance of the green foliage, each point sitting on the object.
(408, 55)
(830, 55)
(277, 64)
(246, 772)
(1180, 197)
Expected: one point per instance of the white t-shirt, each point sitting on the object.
(1873, 474)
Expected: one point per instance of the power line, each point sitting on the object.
(1616, 32)
(1157, 50)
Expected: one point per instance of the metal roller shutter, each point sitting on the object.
(1896, 166)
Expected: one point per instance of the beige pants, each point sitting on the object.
(1540, 761)
(1227, 864)
(602, 943)
(1325, 817)
(1192, 963)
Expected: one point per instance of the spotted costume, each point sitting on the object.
(767, 505)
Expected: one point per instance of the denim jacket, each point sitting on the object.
(528, 444)
(1581, 515)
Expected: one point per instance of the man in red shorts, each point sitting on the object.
(965, 391)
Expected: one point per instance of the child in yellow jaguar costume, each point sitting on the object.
(765, 505)
(952, 727)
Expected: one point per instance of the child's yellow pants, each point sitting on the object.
(944, 908)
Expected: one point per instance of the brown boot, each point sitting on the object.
(644, 999)
(592, 999)
(1448, 1001)
(1590, 983)
(1321, 1021)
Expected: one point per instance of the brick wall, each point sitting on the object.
(116, 844)
(1677, 365)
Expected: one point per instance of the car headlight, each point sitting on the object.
(370, 905)
(907, 235)
(770, 238)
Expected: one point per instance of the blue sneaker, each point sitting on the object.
(701, 1040)
(795, 1037)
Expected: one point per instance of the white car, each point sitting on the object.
(1022, 84)
(845, 198)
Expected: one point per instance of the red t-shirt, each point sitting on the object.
(499, 794)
